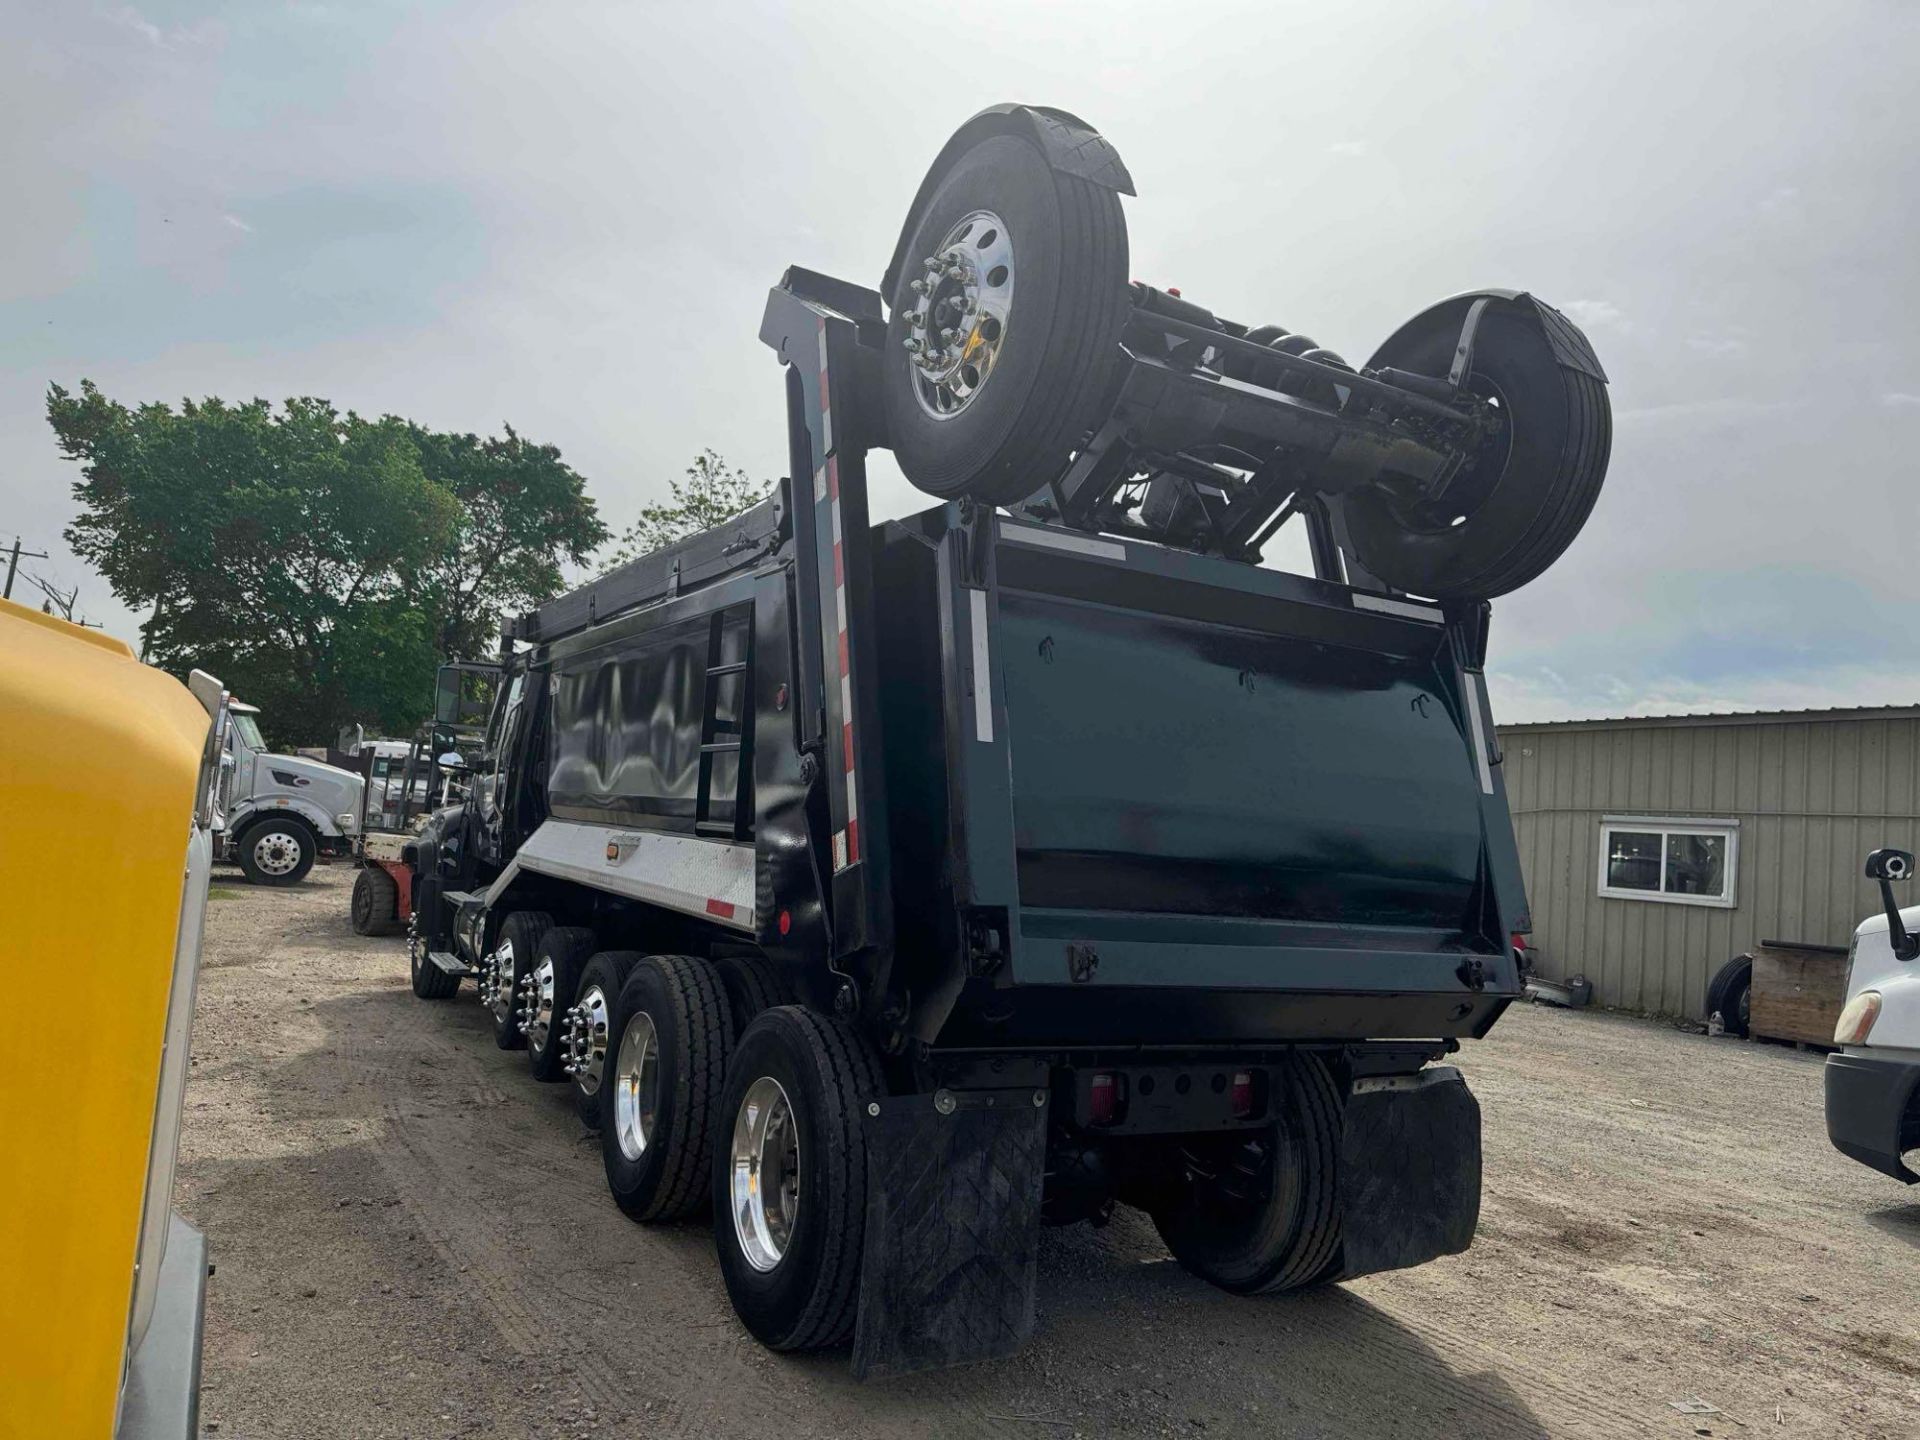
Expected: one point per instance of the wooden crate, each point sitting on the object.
(1798, 990)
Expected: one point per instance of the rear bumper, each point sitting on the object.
(1872, 1112)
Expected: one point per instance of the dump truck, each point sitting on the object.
(889, 890)
(104, 1282)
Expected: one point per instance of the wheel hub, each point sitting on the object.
(276, 854)
(496, 981)
(535, 1008)
(636, 1086)
(958, 316)
(585, 1039)
(765, 1156)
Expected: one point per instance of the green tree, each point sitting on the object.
(319, 563)
(712, 493)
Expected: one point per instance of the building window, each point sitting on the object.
(1681, 862)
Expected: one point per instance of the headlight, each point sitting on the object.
(1857, 1019)
(344, 820)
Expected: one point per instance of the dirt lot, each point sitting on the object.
(412, 1239)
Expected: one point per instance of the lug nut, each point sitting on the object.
(919, 287)
(949, 335)
(911, 345)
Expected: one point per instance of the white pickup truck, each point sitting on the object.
(1873, 1080)
(282, 811)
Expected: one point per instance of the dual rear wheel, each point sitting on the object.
(709, 1100)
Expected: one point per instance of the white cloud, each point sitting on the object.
(1899, 399)
(1348, 147)
(237, 223)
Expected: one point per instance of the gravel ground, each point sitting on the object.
(412, 1239)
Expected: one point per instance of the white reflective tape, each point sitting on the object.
(846, 699)
(820, 485)
(1406, 609)
(1479, 729)
(1059, 540)
(839, 851)
(822, 331)
(826, 430)
(982, 668)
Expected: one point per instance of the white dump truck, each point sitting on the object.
(283, 811)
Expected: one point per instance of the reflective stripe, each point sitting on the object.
(982, 668)
(1479, 729)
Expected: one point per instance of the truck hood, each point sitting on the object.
(1873, 961)
(312, 771)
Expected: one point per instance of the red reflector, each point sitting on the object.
(1242, 1094)
(720, 908)
(1104, 1103)
(1174, 290)
(786, 921)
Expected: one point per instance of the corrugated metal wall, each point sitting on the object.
(1812, 796)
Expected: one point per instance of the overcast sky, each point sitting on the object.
(567, 216)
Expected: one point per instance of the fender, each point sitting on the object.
(1569, 344)
(1069, 144)
(316, 819)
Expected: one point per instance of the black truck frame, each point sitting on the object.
(1118, 859)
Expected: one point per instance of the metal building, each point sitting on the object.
(1656, 848)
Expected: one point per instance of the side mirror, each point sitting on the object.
(446, 695)
(1886, 866)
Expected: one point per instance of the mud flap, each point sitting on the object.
(953, 1225)
(1409, 1171)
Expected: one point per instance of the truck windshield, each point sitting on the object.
(249, 729)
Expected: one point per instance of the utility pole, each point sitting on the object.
(13, 564)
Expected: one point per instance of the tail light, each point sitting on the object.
(1106, 1098)
(1242, 1094)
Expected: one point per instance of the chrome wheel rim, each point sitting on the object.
(590, 1059)
(499, 991)
(539, 1021)
(766, 1173)
(636, 1086)
(276, 854)
(959, 312)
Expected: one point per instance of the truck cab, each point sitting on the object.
(282, 811)
(1873, 1080)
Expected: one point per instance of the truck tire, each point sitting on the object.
(1261, 1213)
(790, 1246)
(753, 984)
(376, 903)
(671, 1037)
(520, 939)
(1515, 506)
(548, 989)
(429, 980)
(1011, 402)
(1729, 994)
(277, 851)
(600, 986)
